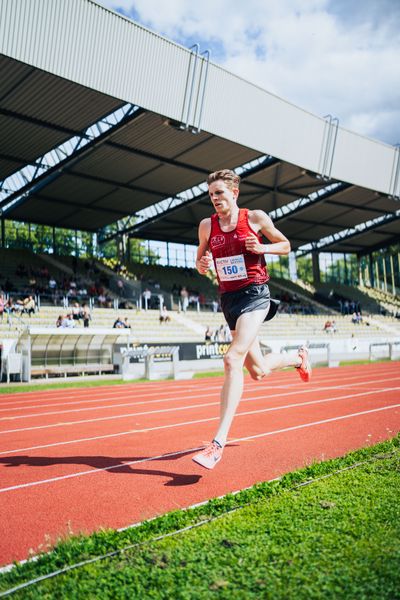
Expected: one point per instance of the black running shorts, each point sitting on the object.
(248, 299)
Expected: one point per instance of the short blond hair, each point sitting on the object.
(229, 177)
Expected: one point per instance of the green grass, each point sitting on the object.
(74, 383)
(338, 538)
(208, 374)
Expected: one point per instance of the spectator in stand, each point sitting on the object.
(164, 316)
(208, 334)
(82, 290)
(328, 326)
(220, 334)
(184, 299)
(120, 286)
(146, 298)
(59, 321)
(68, 321)
(227, 334)
(9, 309)
(29, 306)
(86, 316)
(2, 306)
(102, 300)
(356, 318)
(76, 312)
(127, 325)
(119, 324)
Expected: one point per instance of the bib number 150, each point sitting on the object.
(230, 270)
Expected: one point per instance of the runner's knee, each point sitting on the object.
(233, 360)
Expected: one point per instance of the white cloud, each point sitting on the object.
(327, 56)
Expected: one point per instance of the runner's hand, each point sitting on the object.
(204, 263)
(253, 245)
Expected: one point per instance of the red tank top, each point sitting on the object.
(236, 268)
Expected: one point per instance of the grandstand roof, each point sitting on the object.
(147, 158)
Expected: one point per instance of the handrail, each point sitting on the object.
(395, 174)
(194, 53)
(203, 87)
(328, 145)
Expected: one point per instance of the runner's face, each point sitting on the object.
(223, 197)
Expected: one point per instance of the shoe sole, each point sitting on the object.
(206, 466)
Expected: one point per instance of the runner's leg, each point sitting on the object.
(247, 327)
(259, 365)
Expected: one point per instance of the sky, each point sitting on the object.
(337, 57)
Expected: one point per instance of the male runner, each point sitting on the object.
(232, 239)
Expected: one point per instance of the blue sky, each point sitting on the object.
(340, 57)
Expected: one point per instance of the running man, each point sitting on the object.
(232, 239)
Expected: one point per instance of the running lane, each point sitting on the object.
(78, 460)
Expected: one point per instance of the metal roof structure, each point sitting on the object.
(146, 158)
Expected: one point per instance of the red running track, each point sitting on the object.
(81, 459)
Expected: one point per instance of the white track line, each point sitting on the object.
(136, 403)
(169, 399)
(177, 453)
(122, 390)
(131, 431)
(167, 410)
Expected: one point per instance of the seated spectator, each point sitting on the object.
(330, 327)
(67, 321)
(118, 323)
(127, 325)
(227, 334)
(2, 305)
(59, 321)
(208, 334)
(220, 334)
(102, 300)
(215, 306)
(28, 305)
(82, 291)
(356, 318)
(164, 316)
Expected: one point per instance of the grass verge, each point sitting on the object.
(17, 389)
(330, 530)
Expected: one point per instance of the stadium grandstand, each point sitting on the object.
(108, 133)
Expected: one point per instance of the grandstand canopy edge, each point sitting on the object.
(149, 159)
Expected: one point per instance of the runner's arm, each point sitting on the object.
(204, 258)
(262, 223)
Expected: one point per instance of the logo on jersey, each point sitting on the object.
(217, 240)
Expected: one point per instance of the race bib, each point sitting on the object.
(230, 268)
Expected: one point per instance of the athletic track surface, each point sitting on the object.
(80, 459)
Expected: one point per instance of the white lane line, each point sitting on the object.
(251, 399)
(97, 393)
(169, 399)
(174, 389)
(177, 453)
(110, 398)
(167, 410)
